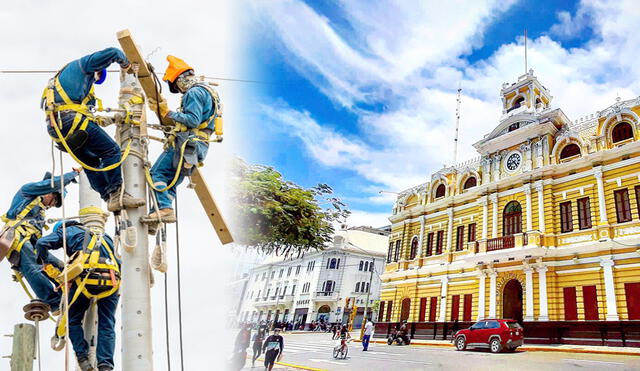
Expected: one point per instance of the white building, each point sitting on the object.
(318, 285)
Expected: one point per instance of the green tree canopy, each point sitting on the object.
(279, 217)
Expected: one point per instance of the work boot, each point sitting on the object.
(84, 364)
(105, 368)
(128, 201)
(166, 216)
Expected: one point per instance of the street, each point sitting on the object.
(314, 350)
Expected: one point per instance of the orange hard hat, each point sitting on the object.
(176, 67)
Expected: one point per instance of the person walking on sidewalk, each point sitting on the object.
(368, 332)
(258, 340)
(273, 347)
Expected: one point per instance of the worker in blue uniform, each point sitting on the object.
(100, 279)
(27, 216)
(188, 144)
(70, 102)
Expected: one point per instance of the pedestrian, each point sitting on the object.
(243, 339)
(455, 327)
(258, 340)
(368, 332)
(334, 329)
(99, 280)
(273, 347)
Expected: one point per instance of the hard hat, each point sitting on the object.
(103, 76)
(176, 67)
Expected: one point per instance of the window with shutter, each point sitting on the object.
(471, 232)
(590, 296)
(584, 213)
(460, 238)
(439, 242)
(570, 307)
(566, 222)
(430, 244)
(623, 209)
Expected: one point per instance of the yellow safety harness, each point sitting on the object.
(94, 276)
(81, 120)
(200, 135)
(23, 231)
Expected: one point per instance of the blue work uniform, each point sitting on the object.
(100, 150)
(28, 265)
(197, 106)
(106, 306)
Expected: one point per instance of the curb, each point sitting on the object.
(529, 349)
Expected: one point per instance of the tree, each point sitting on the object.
(279, 217)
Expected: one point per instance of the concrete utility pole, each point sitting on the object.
(92, 217)
(24, 347)
(135, 292)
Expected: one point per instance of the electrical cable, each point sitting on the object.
(179, 284)
(166, 320)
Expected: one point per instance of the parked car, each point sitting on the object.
(495, 334)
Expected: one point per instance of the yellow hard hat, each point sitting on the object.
(176, 67)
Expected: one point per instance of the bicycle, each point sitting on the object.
(341, 351)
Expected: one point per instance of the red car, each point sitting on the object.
(495, 334)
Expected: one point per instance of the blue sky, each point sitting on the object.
(361, 95)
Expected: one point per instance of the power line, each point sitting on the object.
(25, 72)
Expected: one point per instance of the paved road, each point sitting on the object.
(315, 350)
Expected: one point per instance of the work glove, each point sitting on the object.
(156, 106)
(131, 68)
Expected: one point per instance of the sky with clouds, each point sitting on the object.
(362, 95)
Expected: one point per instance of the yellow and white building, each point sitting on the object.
(543, 227)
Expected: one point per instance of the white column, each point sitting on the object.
(609, 287)
(485, 217)
(602, 206)
(540, 189)
(420, 237)
(527, 193)
(494, 226)
(449, 229)
(481, 298)
(443, 299)
(528, 304)
(542, 285)
(492, 294)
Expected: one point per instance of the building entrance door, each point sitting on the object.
(406, 308)
(512, 301)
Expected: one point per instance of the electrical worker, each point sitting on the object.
(27, 216)
(199, 116)
(69, 102)
(100, 279)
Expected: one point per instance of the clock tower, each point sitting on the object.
(522, 141)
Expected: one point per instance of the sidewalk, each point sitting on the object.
(629, 351)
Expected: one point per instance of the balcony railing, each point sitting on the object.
(500, 243)
(324, 293)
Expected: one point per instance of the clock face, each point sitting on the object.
(513, 161)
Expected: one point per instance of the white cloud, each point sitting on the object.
(364, 218)
(412, 61)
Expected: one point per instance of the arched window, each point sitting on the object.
(440, 191)
(621, 132)
(366, 266)
(470, 182)
(414, 248)
(570, 150)
(332, 263)
(360, 266)
(517, 102)
(512, 219)
(357, 286)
